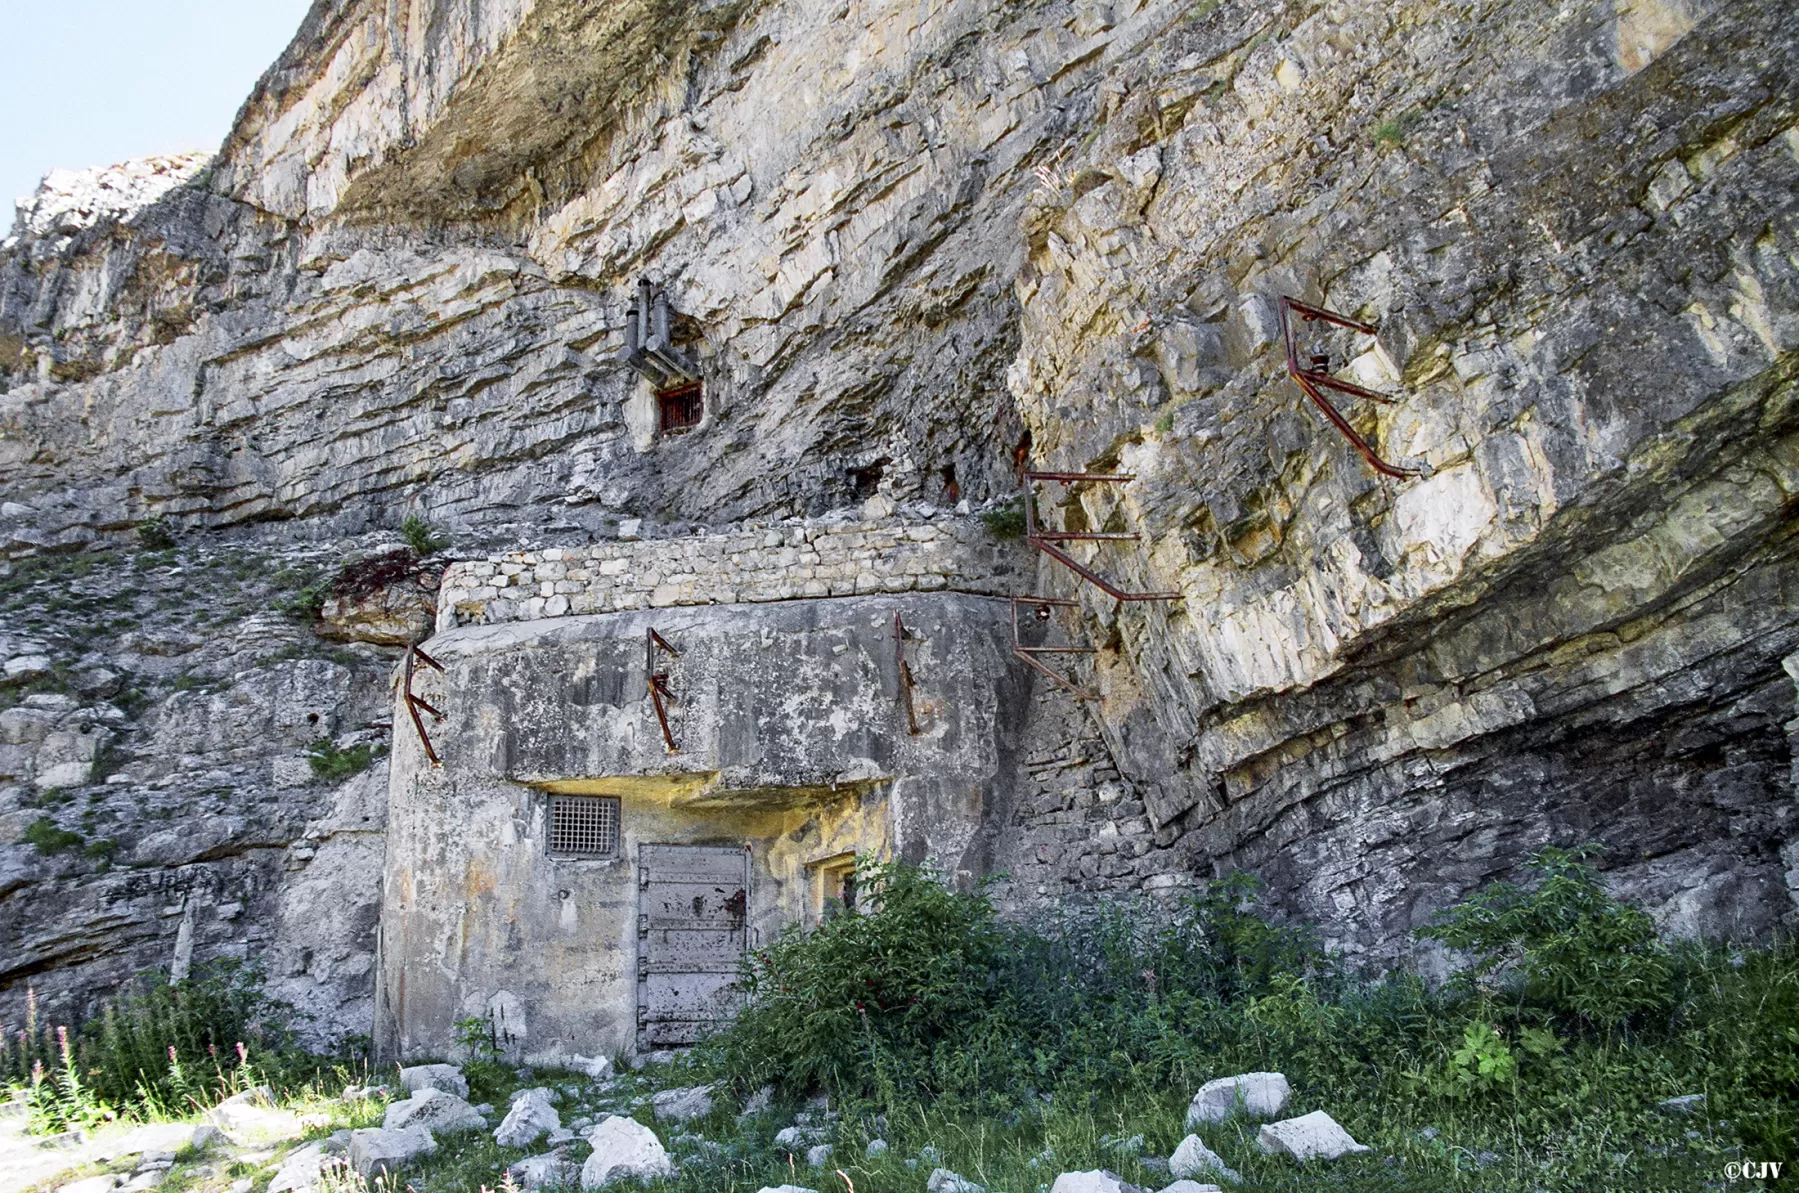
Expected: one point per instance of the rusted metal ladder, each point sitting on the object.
(1041, 607)
(414, 703)
(658, 682)
(1046, 540)
(905, 674)
(1314, 378)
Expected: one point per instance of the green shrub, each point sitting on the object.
(1006, 521)
(155, 534)
(1564, 944)
(49, 839)
(488, 1077)
(1392, 134)
(835, 1005)
(333, 765)
(305, 598)
(926, 989)
(421, 536)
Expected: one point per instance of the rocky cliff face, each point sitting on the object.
(915, 248)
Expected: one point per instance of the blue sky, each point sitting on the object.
(91, 82)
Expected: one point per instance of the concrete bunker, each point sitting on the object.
(569, 877)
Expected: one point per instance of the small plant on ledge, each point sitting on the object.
(421, 536)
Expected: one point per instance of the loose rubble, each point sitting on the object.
(384, 1149)
(531, 1116)
(683, 1105)
(302, 1169)
(1258, 1095)
(1097, 1180)
(942, 1180)
(447, 1078)
(431, 1107)
(1193, 1158)
(537, 1172)
(623, 1147)
(1314, 1136)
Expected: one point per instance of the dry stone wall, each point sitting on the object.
(750, 563)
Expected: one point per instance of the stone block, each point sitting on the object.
(623, 1148)
(252, 1118)
(530, 1117)
(433, 1108)
(1096, 1180)
(378, 1149)
(1193, 1158)
(1259, 1095)
(547, 1171)
(1314, 1136)
(447, 1078)
(683, 1105)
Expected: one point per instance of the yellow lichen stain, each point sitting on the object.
(666, 787)
(478, 879)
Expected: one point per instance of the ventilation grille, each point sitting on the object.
(681, 407)
(584, 825)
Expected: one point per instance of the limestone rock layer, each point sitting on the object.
(915, 250)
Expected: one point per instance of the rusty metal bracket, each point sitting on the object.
(1041, 609)
(1314, 378)
(658, 682)
(414, 703)
(905, 674)
(1045, 540)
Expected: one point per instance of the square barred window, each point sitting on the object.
(681, 408)
(584, 825)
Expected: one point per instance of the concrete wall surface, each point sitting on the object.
(793, 740)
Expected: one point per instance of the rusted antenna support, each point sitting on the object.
(1315, 377)
(905, 673)
(1045, 540)
(658, 682)
(414, 703)
(1041, 607)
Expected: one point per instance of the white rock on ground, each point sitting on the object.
(876, 1147)
(1193, 1158)
(622, 1148)
(435, 1109)
(819, 1156)
(305, 1168)
(91, 1184)
(1259, 1095)
(758, 1102)
(1097, 1180)
(683, 1105)
(159, 1137)
(942, 1180)
(252, 1118)
(784, 1189)
(1314, 1136)
(538, 1172)
(373, 1149)
(596, 1067)
(796, 1137)
(530, 1117)
(1191, 1187)
(448, 1078)
(1684, 1104)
